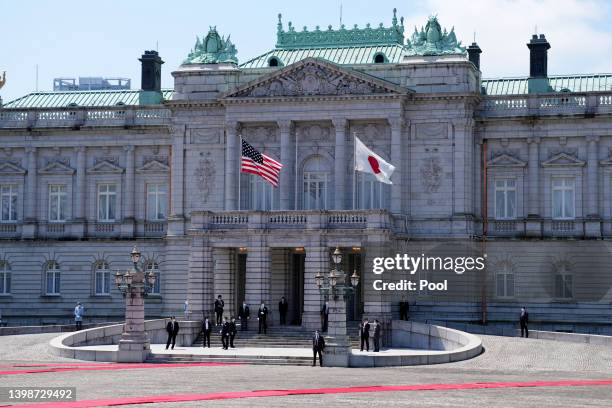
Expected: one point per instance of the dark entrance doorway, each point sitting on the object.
(354, 305)
(296, 286)
(239, 283)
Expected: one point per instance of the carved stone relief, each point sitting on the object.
(431, 174)
(260, 134)
(431, 131)
(205, 135)
(205, 176)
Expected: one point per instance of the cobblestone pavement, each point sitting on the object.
(505, 360)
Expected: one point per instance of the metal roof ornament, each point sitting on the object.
(214, 49)
(432, 40)
(3, 79)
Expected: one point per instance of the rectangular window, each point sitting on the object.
(107, 202)
(102, 282)
(563, 198)
(505, 284)
(53, 280)
(8, 197)
(157, 202)
(371, 193)
(262, 195)
(315, 191)
(564, 286)
(505, 199)
(5, 283)
(57, 202)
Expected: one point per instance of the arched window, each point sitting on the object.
(274, 62)
(102, 277)
(5, 278)
(379, 58)
(371, 193)
(154, 267)
(52, 274)
(316, 184)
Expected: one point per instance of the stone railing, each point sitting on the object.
(359, 219)
(547, 104)
(77, 117)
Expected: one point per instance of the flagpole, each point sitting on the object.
(295, 184)
(239, 168)
(354, 166)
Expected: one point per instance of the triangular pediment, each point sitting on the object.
(505, 160)
(11, 169)
(105, 167)
(564, 160)
(606, 162)
(314, 77)
(56, 167)
(153, 166)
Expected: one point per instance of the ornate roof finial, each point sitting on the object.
(394, 21)
(434, 40)
(279, 26)
(3, 80)
(212, 49)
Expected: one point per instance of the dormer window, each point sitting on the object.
(379, 58)
(274, 62)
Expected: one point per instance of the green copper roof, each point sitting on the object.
(337, 55)
(559, 83)
(355, 36)
(80, 98)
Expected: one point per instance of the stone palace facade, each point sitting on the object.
(522, 166)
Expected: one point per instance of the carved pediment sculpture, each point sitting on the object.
(313, 76)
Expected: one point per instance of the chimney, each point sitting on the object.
(151, 78)
(151, 71)
(538, 56)
(474, 52)
(538, 64)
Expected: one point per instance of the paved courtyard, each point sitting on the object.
(512, 372)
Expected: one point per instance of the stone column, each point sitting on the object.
(176, 219)
(30, 199)
(376, 303)
(287, 158)
(592, 225)
(258, 271)
(462, 166)
(232, 155)
(201, 279)
(397, 159)
(80, 193)
(134, 346)
(127, 229)
(340, 175)
(478, 177)
(533, 226)
(317, 260)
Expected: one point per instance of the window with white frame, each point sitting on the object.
(102, 275)
(52, 275)
(563, 198)
(505, 199)
(157, 201)
(262, 195)
(8, 197)
(107, 202)
(564, 285)
(315, 190)
(5, 278)
(57, 202)
(504, 282)
(154, 268)
(371, 193)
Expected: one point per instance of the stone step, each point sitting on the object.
(256, 360)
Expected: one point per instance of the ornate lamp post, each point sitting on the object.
(135, 285)
(334, 286)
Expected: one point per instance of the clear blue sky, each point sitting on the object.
(105, 38)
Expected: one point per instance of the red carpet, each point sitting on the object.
(54, 368)
(311, 391)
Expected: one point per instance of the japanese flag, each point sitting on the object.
(369, 162)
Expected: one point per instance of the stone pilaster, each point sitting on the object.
(397, 159)
(340, 176)
(200, 290)
(30, 199)
(232, 155)
(592, 224)
(376, 306)
(258, 277)
(80, 194)
(477, 190)
(287, 158)
(317, 260)
(127, 228)
(176, 219)
(533, 226)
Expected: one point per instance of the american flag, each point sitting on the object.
(257, 163)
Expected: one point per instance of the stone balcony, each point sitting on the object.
(592, 103)
(76, 117)
(305, 220)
